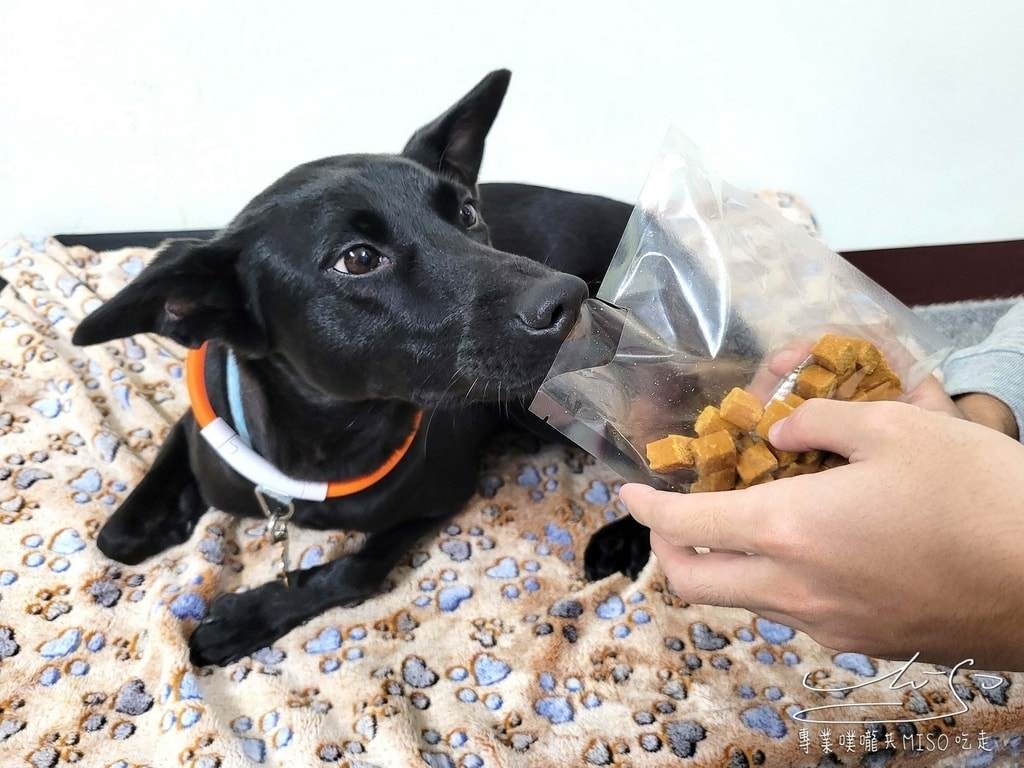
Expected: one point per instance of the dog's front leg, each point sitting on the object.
(161, 512)
(243, 622)
(623, 546)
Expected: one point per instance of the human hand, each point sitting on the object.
(978, 407)
(930, 396)
(988, 410)
(914, 547)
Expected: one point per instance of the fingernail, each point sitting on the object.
(636, 490)
(629, 488)
(773, 430)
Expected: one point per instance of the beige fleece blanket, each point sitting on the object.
(487, 647)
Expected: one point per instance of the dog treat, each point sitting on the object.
(774, 411)
(885, 391)
(731, 447)
(832, 460)
(711, 420)
(741, 408)
(785, 458)
(714, 453)
(756, 462)
(815, 381)
(835, 354)
(670, 453)
(810, 457)
(792, 400)
(868, 356)
(792, 470)
(880, 375)
(723, 480)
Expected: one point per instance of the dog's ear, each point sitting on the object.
(454, 142)
(190, 292)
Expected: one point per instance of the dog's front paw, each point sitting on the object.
(142, 527)
(239, 624)
(623, 546)
(131, 548)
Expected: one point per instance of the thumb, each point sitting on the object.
(930, 395)
(832, 425)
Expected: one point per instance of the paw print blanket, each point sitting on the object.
(486, 647)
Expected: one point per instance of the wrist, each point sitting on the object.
(989, 411)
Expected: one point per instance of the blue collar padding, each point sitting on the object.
(234, 391)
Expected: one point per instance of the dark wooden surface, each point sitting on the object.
(941, 273)
(920, 275)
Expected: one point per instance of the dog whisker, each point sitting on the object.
(451, 383)
(429, 374)
(469, 392)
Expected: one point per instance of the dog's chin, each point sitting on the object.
(482, 391)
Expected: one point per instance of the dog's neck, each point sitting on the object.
(303, 431)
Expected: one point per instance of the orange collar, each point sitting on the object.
(256, 469)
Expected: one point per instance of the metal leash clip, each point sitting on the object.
(788, 383)
(279, 510)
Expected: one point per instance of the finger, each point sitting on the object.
(930, 395)
(726, 520)
(789, 357)
(683, 552)
(779, 365)
(841, 427)
(715, 578)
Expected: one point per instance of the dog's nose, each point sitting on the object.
(551, 307)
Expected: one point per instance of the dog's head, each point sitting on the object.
(373, 276)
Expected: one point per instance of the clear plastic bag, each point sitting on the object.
(709, 288)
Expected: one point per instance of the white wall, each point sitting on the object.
(900, 121)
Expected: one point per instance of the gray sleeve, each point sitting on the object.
(994, 367)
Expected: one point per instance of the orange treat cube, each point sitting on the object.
(887, 390)
(792, 470)
(815, 381)
(756, 462)
(723, 480)
(731, 448)
(710, 420)
(810, 457)
(785, 458)
(835, 354)
(881, 375)
(793, 400)
(741, 408)
(745, 442)
(670, 453)
(714, 453)
(833, 460)
(868, 356)
(775, 410)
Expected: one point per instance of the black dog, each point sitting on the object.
(373, 329)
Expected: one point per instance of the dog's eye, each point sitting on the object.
(359, 260)
(468, 215)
